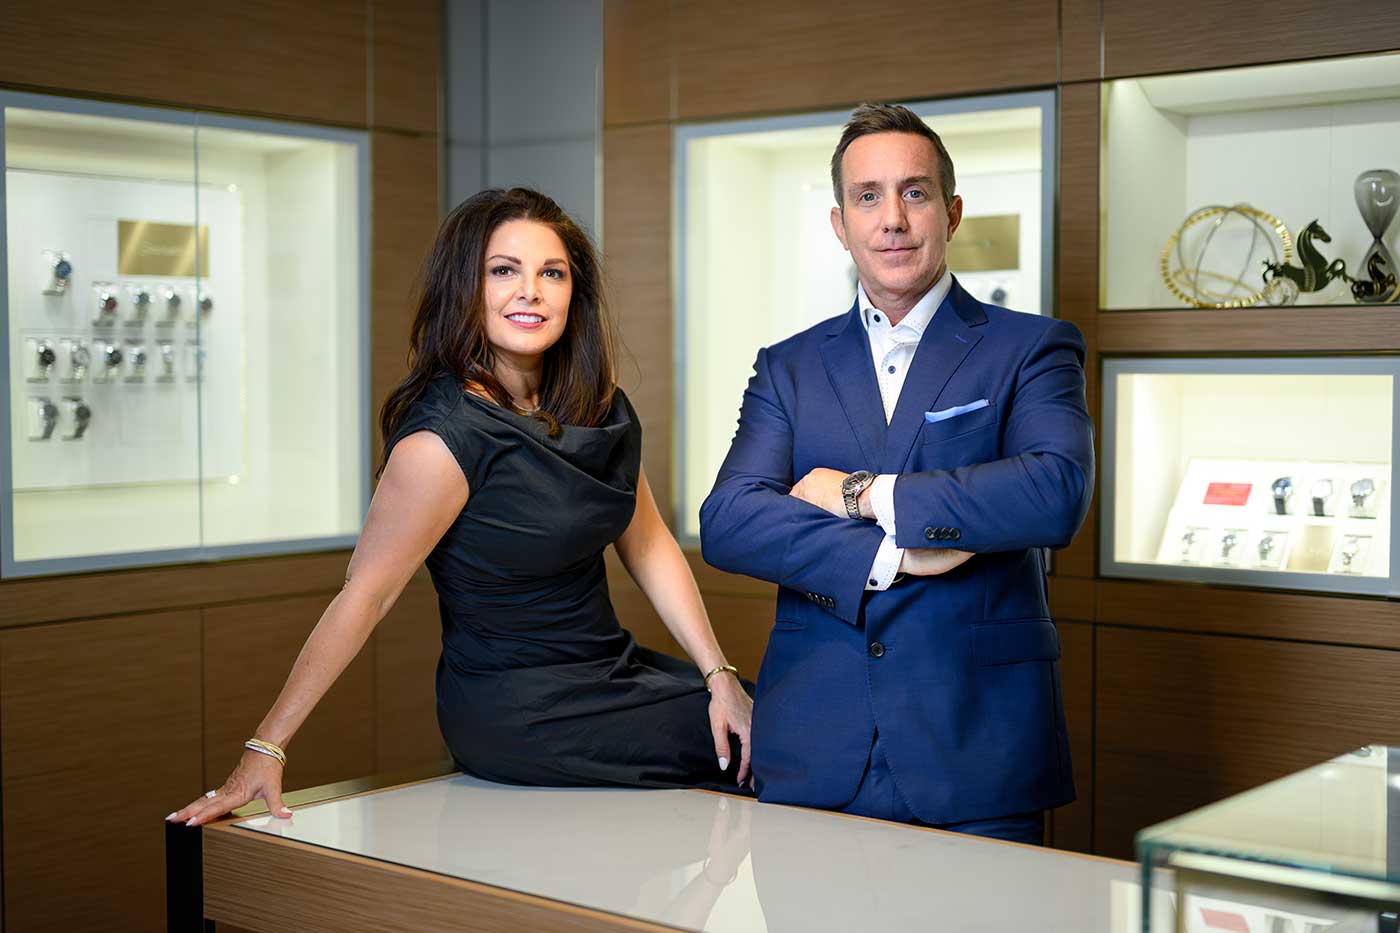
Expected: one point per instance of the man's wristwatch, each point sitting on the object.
(1283, 490)
(851, 488)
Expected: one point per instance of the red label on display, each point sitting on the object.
(1228, 493)
(1224, 920)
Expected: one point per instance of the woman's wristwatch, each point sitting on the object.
(851, 488)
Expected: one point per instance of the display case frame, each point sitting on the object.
(1045, 100)
(361, 408)
(1110, 566)
(1183, 152)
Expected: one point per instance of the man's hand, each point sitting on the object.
(930, 562)
(822, 488)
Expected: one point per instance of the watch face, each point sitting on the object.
(1362, 488)
(1283, 487)
(62, 269)
(1322, 489)
(855, 479)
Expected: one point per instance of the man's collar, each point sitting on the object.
(919, 316)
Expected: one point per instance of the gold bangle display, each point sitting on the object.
(1205, 213)
(266, 748)
(723, 667)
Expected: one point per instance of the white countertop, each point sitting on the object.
(722, 864)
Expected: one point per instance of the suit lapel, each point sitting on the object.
(846, 356)
(947, 341)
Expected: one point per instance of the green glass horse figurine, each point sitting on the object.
(1316, 273)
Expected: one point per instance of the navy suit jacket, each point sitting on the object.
(957, 672)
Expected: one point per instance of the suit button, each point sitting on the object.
(956, 534)
(830, 603)
(877, 650)
(940, 533)
(929, 533)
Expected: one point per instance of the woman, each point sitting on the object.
(512, 460)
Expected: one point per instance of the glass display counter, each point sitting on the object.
(185, 305)
(1318, 850)
(1252, 186)
(757, 261)
(1265, 472)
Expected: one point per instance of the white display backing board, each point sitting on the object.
(144, 431)
(1219, 497)
(1177, 143)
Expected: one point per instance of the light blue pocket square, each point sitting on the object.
(933, 417)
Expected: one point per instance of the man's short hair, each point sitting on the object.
(890, 118)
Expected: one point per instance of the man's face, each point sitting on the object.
(893, 219)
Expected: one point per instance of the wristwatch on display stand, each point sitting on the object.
(1266, 547)
(1349, 552)
(1361, 490)
(1283, 491)
(60, 274)
(1227, 544)
(1322, 491)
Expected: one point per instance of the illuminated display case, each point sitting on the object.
(1207, 176)
(757, 261)
(185, 304)
(1264, 472)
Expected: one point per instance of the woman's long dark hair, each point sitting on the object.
(449, 330)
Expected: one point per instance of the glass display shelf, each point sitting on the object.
(1206, 176)
(1272, 472)
(185, 302)
(1325, 843)
(756, 259)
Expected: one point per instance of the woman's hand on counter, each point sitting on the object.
(257, 777)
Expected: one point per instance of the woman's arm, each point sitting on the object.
(655, 561)
(420, 494)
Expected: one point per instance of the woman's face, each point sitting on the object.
(527, 288)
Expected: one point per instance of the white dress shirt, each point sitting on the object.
(892, 351)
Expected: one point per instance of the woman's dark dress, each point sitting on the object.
(538, 683)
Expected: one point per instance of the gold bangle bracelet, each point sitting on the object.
(266, 748)
(723, 667)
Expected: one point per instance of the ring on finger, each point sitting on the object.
(212, 793)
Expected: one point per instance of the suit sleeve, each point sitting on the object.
(1038, 494)
(750, 525)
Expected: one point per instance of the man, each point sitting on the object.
(897, 471)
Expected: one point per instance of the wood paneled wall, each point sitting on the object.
(1129, 688)
(125, 694)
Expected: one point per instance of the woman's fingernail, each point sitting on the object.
(723, 763)
(171, 815)
(284, 812)
(190, 821)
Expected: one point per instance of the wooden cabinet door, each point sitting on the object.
(1186, 720)
(100, 738)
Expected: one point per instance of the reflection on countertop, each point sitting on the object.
(704, 861)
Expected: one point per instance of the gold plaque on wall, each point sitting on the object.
(148, 248)
(990, 243)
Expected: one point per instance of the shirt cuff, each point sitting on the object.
(886, 565)
(882, 501)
